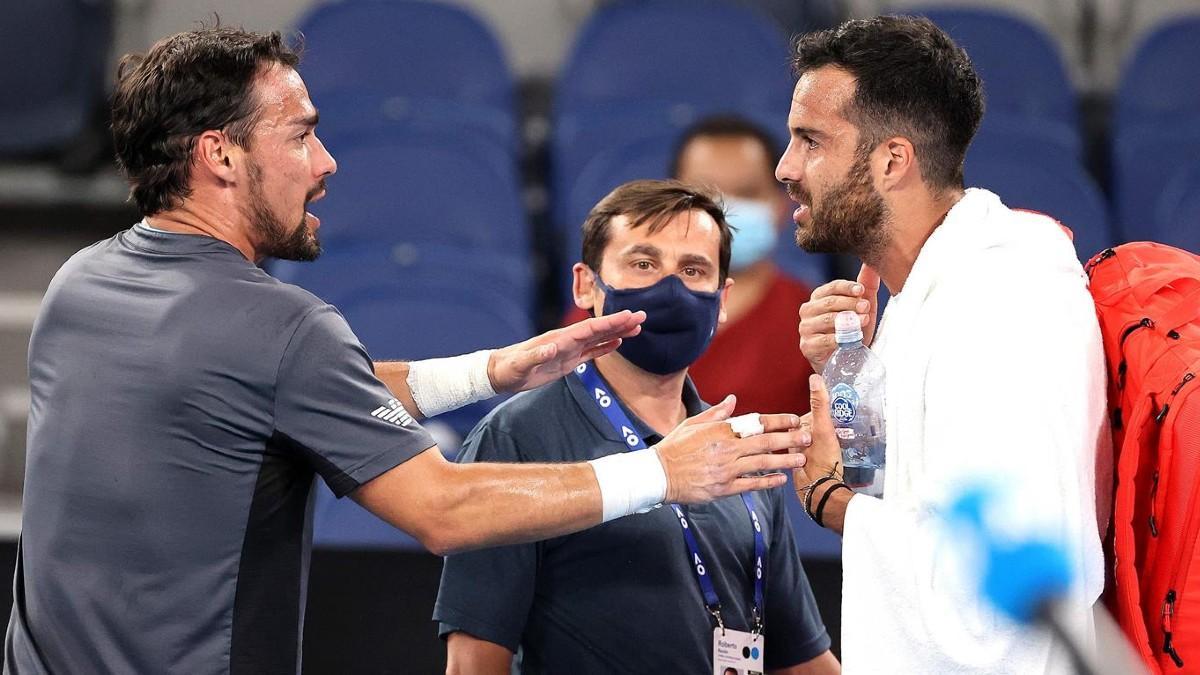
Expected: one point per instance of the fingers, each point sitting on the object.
(839, 287)
(600, 350)
(832, 304)
(779, 422)
(768, 463)
(769, 442)
(756, 483)
(818, 398)
(605, 328)
(718, 413)
(868, 278)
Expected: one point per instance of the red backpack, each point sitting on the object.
(1148, 300)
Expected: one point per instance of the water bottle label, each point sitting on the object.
(844, 401)
(845, 433)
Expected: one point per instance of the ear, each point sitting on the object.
(216, 156)
(722, 315)
(587, 294)
(898, 160)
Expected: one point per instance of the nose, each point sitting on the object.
(785, 170)
(325, 165)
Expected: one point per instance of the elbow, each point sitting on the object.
(443, 531)
(439, 544)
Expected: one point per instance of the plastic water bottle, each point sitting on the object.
(855, 378)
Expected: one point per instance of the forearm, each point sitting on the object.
(454, 507)
(432, 386)
(394, 375)
(833, 513)
(491, 503)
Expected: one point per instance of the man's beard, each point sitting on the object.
(850, 218)
(275, 239)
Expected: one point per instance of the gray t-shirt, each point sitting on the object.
(182, 401)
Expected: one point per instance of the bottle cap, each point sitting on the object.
(847, 327)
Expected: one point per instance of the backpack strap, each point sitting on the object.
(1185, 311)
(1125, 575)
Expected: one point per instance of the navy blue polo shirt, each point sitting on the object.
(620, 597)
(182, 402)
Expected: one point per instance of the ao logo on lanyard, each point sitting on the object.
(621, 423)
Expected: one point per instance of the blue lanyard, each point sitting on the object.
(621, 423)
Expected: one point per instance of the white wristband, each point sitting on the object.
(630, 482)
(438, 385)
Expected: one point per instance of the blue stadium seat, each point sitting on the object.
(345, 268)
(1030, 136)
(676, 50)
(1022, 68)
(1177, 215)
(394, 322)
(415, 64)
(649, 68)
(647, 158)
(581, 136)
(1145, 157)
(1055, 185)
(449, 190)
(53, 56)
(1156, 122)
(1160, 83)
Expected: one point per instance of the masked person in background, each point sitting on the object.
(625, 597)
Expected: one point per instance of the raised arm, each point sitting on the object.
(444, 384)
(453, 507)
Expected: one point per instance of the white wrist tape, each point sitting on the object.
(746, 425)
(630, 482)
(438, 385)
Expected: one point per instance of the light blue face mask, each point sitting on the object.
(756, 234)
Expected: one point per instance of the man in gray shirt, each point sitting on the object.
(182, 400)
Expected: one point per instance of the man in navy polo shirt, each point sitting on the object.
(670, 590)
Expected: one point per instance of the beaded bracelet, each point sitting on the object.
(810, 489)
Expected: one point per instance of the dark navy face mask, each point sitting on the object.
(679, 323)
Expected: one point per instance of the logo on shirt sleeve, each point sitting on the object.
(395, 413)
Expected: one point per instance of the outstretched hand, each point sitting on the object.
(549, 356)
(704, 460)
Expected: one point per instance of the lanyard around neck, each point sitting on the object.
(611, 408)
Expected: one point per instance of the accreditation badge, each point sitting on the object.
(737, 653)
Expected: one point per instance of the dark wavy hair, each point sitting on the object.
(653, 203)
(912, 81)
(185, 85)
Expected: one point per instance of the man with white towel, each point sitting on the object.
(994, 358)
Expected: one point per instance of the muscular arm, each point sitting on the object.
(468, 655)
(453, 507)
(531, 363)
